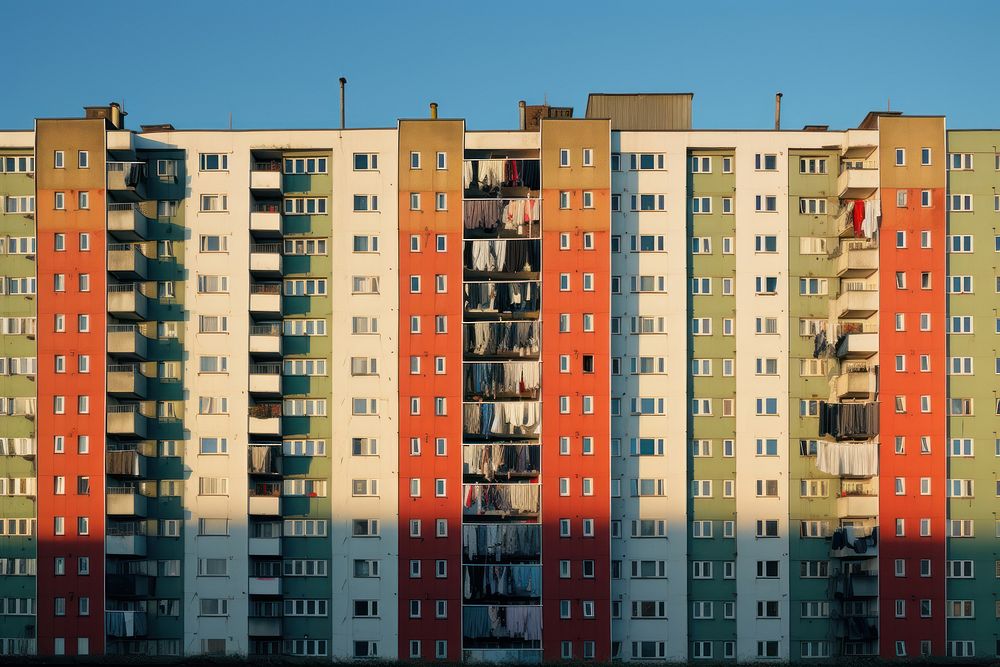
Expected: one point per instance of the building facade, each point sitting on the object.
(598, 388)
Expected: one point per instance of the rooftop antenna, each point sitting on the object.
(888, 104)
(230, 120)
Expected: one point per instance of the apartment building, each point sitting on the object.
(597, 388)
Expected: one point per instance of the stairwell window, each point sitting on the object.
(767, 162)
(365, 203)
(217, 203)
(60, 201)
(765, 203)
(900, 157)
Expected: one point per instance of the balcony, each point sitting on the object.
(265, 546)
(126, 623)
(263, 626)
(265, 585)
(126, 539)
(130, 585)
(859, 144)
(125, 463)
(120, 141)
(264, 460)
(265, 379)
(856, 301)
(126, 261)
(856, 380)
(125, 501)
(857, 259)
(126, 222)
(855, 542)
(265, 219)
(266, 260)
(265, 178)
(127, 302)
(126, 340)
(264, 506)
(126, 420)
(265, 419)
(265, 339)
(126, 180)
(265, 299)
(125, 381)
(858, 345)
(857, 506)
(858, 179)
(496, 500)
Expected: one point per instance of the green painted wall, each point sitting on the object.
(12, 225)
(718, 468)
(983, 264)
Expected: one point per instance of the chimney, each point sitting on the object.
(777, 111)
(520, 113)
(343, 83)
(116, 116)
(434, 110)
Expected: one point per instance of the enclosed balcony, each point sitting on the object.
(127, 302)
(126, 261)
(265, 419)
(266, 260)
(126, 420)
(265, 379)
(857, 300)
(125, 463)
(856, 381)
(127, 341)
(857, 259)
(126, 222)
(125, 501)
(126, 538)
(126, 381)
(265, 299)
(265, 339)
(265, 219)
(858, 179)
(265, 178)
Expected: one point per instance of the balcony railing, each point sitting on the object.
(267, 165)
(265, 369)
(266, 288)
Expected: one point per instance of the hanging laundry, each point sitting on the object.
(502, 338)
(858, 216)
(851, 459)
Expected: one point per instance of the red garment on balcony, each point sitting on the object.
(859, 216)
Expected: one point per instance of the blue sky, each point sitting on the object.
(276, 64)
